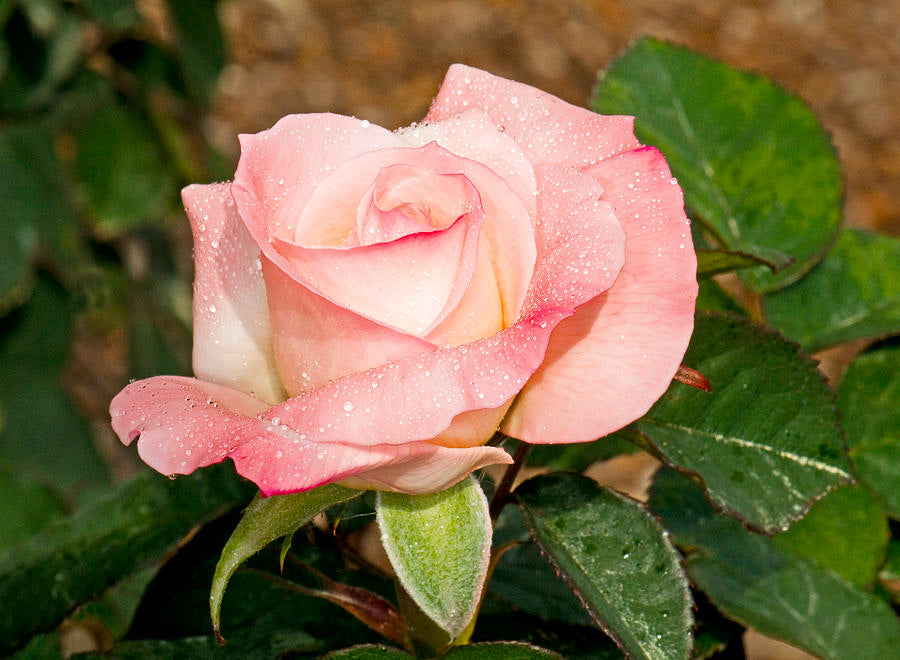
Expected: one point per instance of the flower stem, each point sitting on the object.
(501, 496)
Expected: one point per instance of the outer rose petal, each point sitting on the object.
(416, 467)
(215, 423)
(607, 364)
(547, 129)
(581, 246)
(232, 333)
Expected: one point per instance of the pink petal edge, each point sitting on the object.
(549, 130)
(610, 362)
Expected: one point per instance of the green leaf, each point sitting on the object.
(521, 567)
(514, 579)
(27, 507)
(266, 519)
(201, 44)
(114, 14)
(502, 651)
(368, 652)
(869, 400)
(713, 262)
(45, 43)
(853, 293)
(43, 438)
(72, 561)
(617, 558)
(713, 298)
(258, 643)
(122, 168)
(846, 531)
(34, 207)
(756, 167)
(439, 546)
(765, 441)
(779, 594)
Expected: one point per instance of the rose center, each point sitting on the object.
(406, 200)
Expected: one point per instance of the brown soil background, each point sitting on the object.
(384, 61)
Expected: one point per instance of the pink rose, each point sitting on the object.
(371, 306)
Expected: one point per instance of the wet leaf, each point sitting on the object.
(869, 399)
(756, 167)
(853, 293)
(778, 593)
(765, 441)
(617, 558)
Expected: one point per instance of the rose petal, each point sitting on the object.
(547, 129)
(415, 468)
(185, 424)
(607, 365)
(407, 200)
(410, 400)
(317, 341)
(580, 243)
(507, 223)
(473, 134)
(280, 168)
(409, 284)
(232, 333)
(480, 311)
(416, 398)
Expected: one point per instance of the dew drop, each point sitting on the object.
(348, 406)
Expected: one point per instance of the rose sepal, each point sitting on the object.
(439, 546)
(264, 520)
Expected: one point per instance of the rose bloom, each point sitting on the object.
(370, 307)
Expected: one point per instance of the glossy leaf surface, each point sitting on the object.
(779, 594)
(757, 169)
(868, 398)
(765, 441)
(853, 293)
(618, 560)
(846, 531)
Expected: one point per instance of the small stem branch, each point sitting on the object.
(501, 496)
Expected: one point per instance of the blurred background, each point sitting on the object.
(109, 107)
